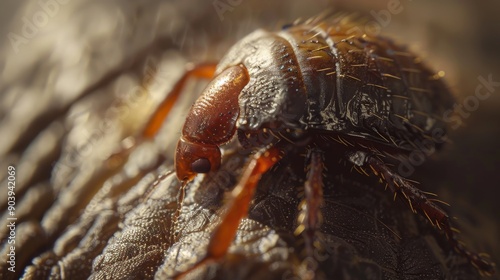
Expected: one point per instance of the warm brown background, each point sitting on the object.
(85, 40)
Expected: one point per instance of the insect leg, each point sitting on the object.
(419, 203)
(206, 71)
(155, 122)
(310, 217)
(237, 207)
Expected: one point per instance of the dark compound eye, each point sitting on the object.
(201, 165)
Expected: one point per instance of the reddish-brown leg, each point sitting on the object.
(237, 207)
(155, 122)
(419, 203)
(310, 215)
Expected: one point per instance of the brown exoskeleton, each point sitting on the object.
(313, 86)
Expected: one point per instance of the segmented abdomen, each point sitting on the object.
(367, 86)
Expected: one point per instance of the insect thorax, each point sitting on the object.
(329, 78)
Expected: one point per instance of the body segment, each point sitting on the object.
(328, 77)
(317, 89)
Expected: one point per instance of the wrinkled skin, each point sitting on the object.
(108, 219)
(129, 236)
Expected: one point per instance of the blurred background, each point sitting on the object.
(69, 70)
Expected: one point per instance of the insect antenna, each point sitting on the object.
(175, 219)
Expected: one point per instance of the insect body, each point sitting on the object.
(314, 88)
(324, 79)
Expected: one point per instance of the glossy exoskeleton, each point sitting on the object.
(311, 88)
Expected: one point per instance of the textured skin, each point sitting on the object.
(353, 84)
(125, 230)
(365, 235)
(386, 95)
(134, 228)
